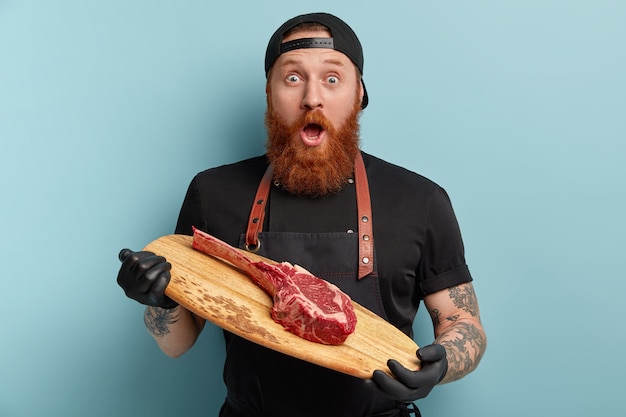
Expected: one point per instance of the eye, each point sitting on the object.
(293, 78)
(332, 80)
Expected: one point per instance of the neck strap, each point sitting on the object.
(364, 213)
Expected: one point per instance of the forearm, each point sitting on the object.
(175, 330)
(457, 325)
(465, 343)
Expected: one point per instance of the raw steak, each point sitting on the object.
(305, 305)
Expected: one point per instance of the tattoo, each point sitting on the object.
(157, 320)
(453, 318)
(463, 351)
(434, 314)
(464, 297)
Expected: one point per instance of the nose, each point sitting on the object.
(312, 98)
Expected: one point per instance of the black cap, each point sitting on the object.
(343, 40)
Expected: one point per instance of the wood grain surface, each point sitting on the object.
(220, 293)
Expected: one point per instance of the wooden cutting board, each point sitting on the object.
(220, 293)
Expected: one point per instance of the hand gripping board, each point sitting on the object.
(221, 294)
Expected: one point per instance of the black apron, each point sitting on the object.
(264, 383)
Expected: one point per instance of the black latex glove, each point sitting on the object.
(144, 276)
(413, 385)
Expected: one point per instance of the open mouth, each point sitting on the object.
(312, 134)
(312, 130)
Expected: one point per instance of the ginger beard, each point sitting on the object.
(312, 171)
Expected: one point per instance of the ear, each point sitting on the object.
(361, 90)
(268, 95)
(268, 78)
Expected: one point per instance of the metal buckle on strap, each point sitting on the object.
(253, 248)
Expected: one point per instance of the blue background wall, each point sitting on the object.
(108, 108)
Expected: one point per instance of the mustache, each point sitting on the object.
(312, 117)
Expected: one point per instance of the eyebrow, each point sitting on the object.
(334, 61)
(293, 61)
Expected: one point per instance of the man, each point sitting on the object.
(314, 180)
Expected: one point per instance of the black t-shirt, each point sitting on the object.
(417, 241)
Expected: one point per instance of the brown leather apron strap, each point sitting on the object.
(257, 214)
(364, 212)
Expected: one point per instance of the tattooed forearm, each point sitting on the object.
(158, 320)
(456, 318)
(465, 345)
